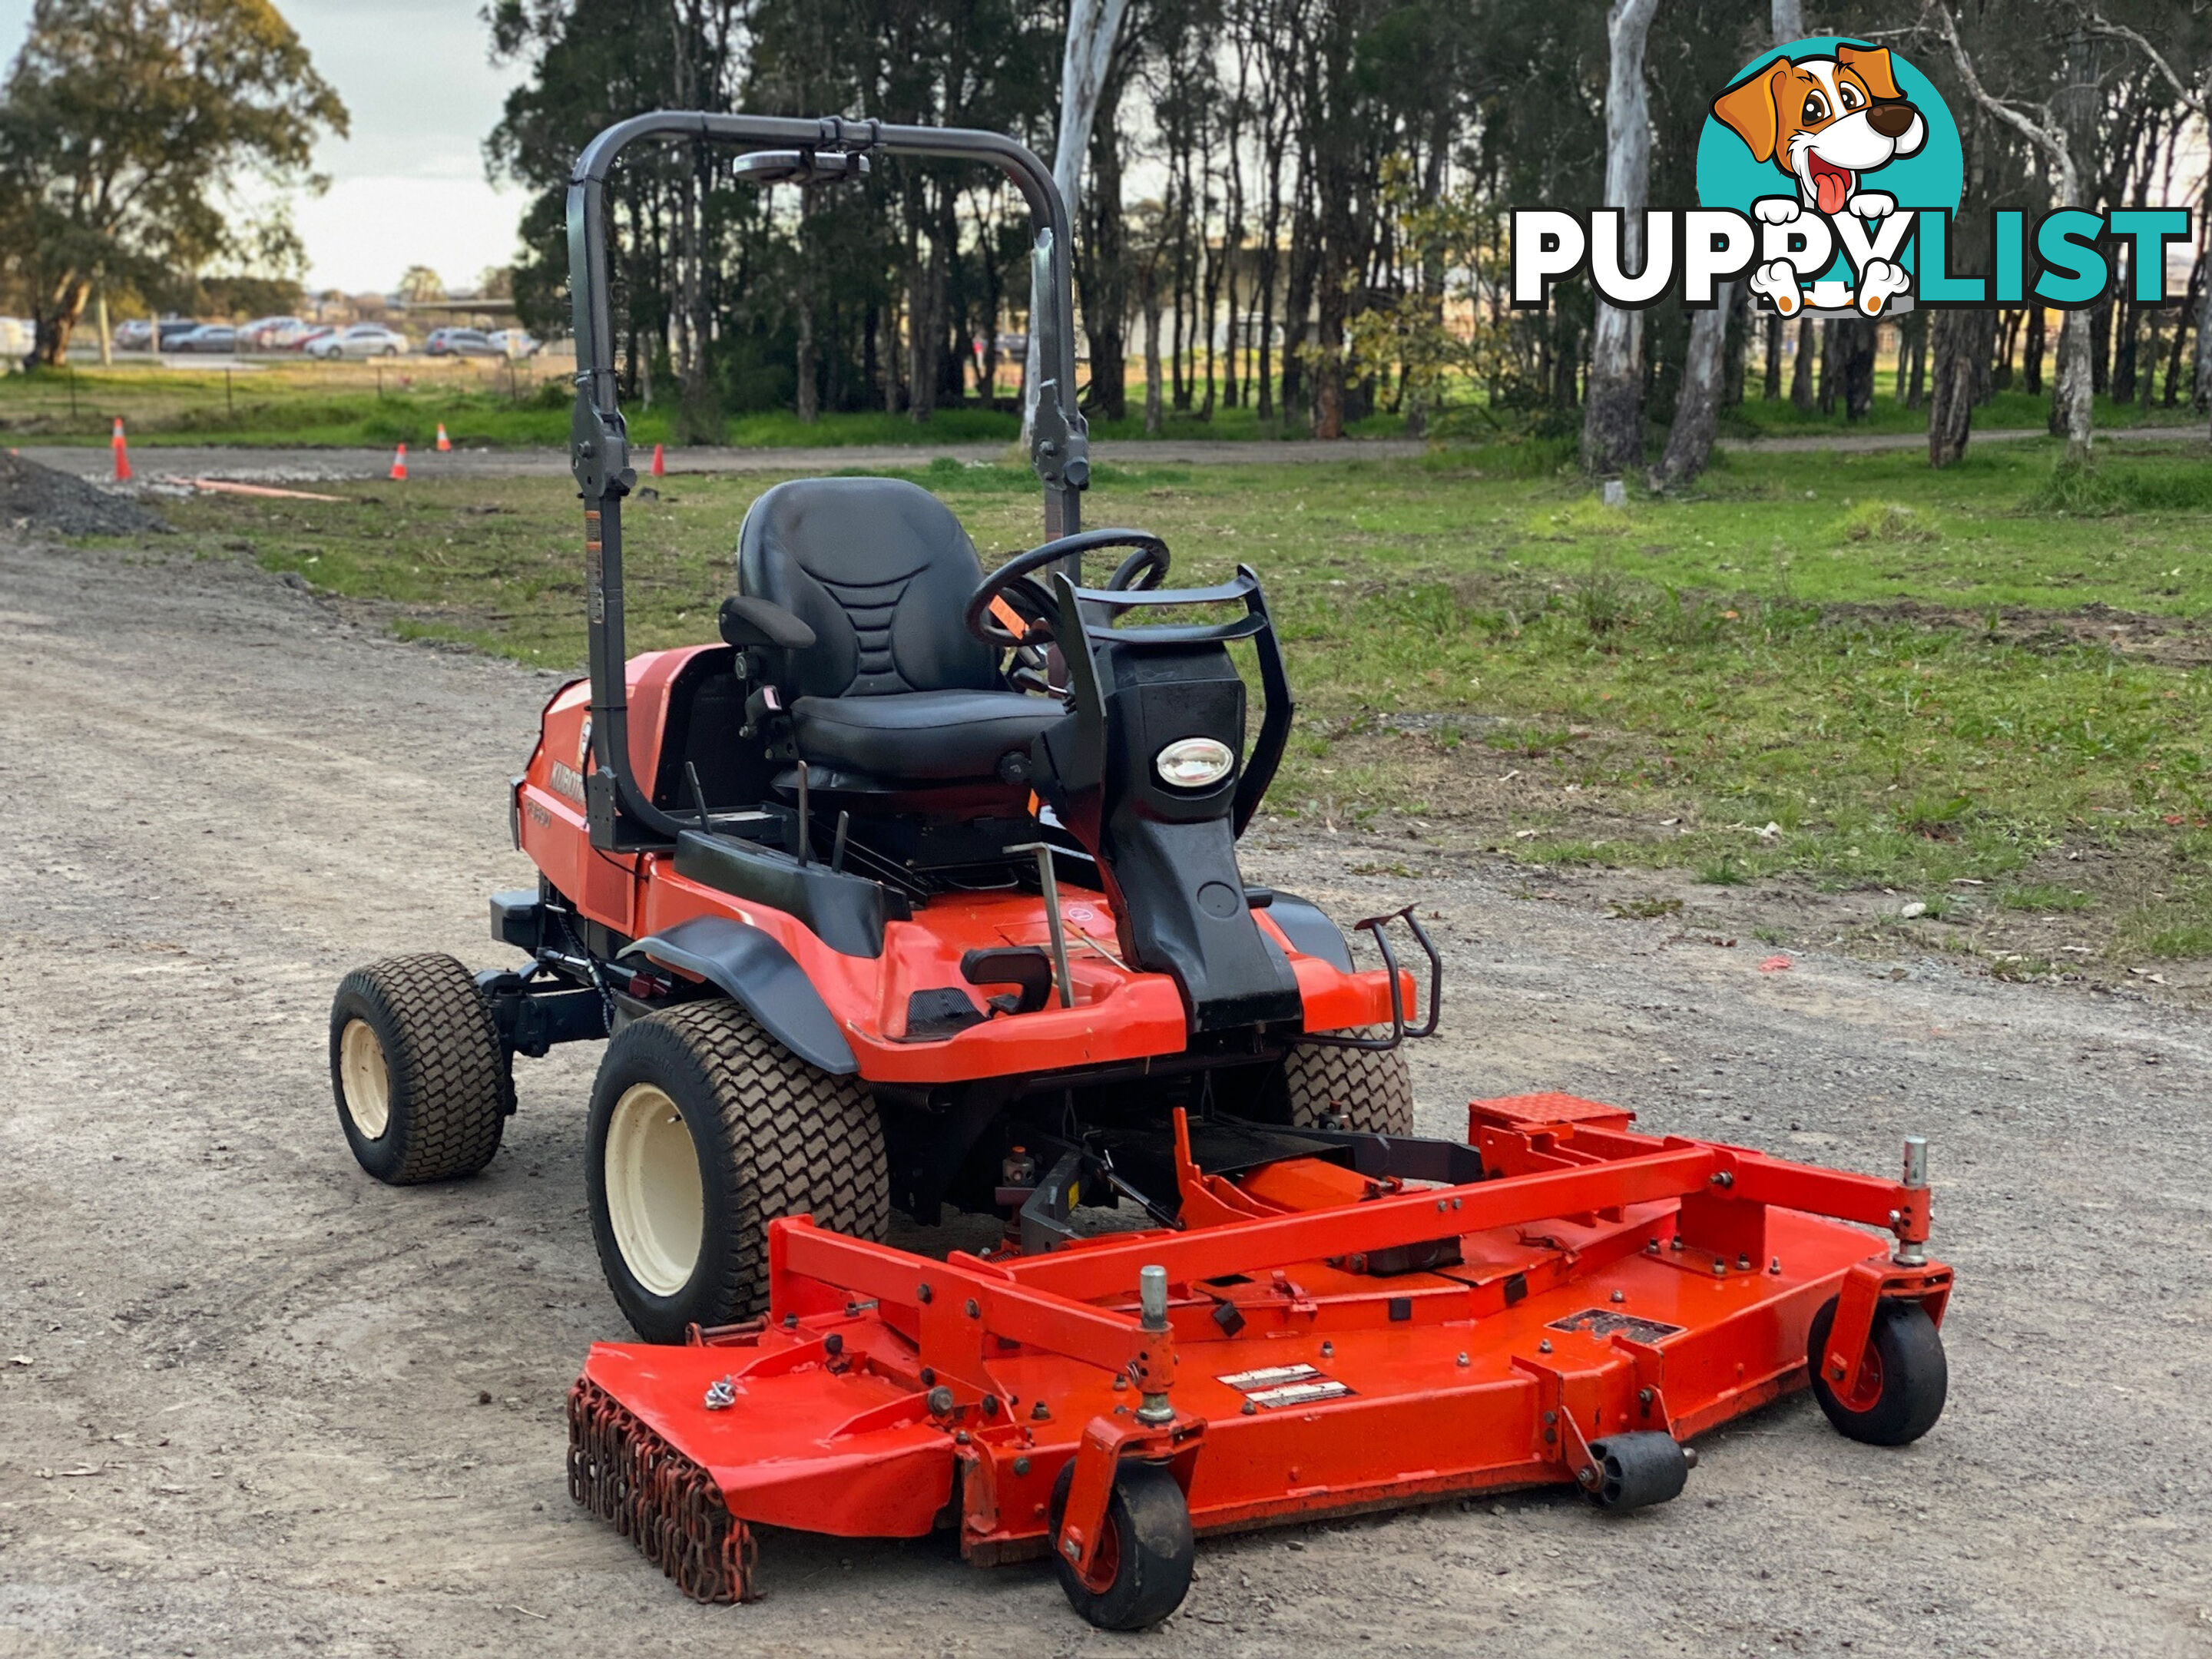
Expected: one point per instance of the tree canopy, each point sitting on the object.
(128, 131)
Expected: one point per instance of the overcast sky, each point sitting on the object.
(408, 188)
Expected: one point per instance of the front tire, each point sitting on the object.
(703, 1129)
(1903, 1381)
(422, 1079)
(1356, 1089)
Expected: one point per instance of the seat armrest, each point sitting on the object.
(747, 621)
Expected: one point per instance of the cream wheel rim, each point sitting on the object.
(656, 1204)
(368, 1080)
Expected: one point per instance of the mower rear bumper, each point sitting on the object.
(1607, 1283)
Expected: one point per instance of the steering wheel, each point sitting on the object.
(1036, 603)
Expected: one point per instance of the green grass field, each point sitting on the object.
(1844, 670)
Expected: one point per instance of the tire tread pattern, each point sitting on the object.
(1363, 1090)
(452, 1082)
(810, 1141)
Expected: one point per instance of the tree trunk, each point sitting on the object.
(1092, 26)
(1916, 393)
(1153, 415)
(1613, 413)
(1102, 264)
(1800, 371)
(1855, 349)
(1738, 347)
(1696, 404)
(1959, 338)
(2071, 406)
(1787, 18)
(1831, 366)
(1772, 389)
(2030, 357)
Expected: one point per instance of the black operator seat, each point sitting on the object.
(894, 687)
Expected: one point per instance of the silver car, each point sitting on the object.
(361, 340)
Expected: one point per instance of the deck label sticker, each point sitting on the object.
(1273, 1386)
(1604, 1321)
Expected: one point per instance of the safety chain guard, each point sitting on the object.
(625, 1473)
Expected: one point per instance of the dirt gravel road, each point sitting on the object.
(250, 1402)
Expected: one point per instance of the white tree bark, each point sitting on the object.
(1788, 21)
(1093, 28)
(1613, 411)
(2071, 388)
(1698, 405)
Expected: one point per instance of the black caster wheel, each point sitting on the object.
(1629, 1471)
(1143, 1570)
(1902, 1384)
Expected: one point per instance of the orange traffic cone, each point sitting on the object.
(659, 462)
(121, 453)
(444, 442)
(399, 465)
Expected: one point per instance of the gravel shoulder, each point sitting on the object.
(256, 1404)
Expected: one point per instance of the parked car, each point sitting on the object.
(133, 335)
(361, 340)
(460, 343)
(515, 342)
(305, 336)
(174, 329)
(259, 335)
(208, 336)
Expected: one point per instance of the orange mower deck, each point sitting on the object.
(1328, 1342)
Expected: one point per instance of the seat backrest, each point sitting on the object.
(882, 571)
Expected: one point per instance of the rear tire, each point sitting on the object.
(1356, 1089)
(703, 1129)
(422, 1079)
(1146, 1559)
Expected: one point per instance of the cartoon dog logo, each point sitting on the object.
(1826, 123)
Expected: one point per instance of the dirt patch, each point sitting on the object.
(2169, 642)
(37, 501)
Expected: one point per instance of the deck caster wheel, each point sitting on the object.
(423, 1081)
(1632, 1471)
(1903, 1381)
(1143, 1570)
(703, 1129)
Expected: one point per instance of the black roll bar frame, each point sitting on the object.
(616, 808)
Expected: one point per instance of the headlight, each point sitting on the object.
(1194, 763)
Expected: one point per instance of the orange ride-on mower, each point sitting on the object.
(922, 888)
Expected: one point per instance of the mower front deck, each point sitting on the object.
(1330, 1341)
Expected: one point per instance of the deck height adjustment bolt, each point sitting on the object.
(1743, 1264)
(1774, 1265)
(1544, 1346)
(1040, 1413)
(1620, 1295)
(940, 1400)
(1643, 1398)
(1720, 1268)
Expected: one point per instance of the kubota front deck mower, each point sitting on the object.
(922, 888)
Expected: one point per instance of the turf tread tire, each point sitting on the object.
(1360, 1089)
(450, 1079)
(787, 1139)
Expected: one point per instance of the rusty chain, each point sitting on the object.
(660, 1500)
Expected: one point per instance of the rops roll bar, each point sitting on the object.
(617, 809)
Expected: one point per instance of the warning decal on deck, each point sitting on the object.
(1275, 1386)
(1604, 1321)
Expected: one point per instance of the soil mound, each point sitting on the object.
(40, 501)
